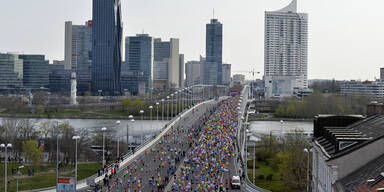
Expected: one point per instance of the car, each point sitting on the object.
(236, 183)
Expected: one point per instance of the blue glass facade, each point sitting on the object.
(138, 57)
(212, 70)
(35, 71)
(106, 47)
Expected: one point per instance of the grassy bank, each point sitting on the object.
(45, 175)
(267, 178)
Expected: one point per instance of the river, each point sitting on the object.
(258, 128)
(136, 129)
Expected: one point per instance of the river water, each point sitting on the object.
(276, 128)
(136, 130)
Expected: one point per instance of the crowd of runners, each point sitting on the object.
(204, 166)
(202, 142)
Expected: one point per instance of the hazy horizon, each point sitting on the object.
(345, 36)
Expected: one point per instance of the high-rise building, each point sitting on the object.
(138, 60)
(212, 69)
(59, 78)
(11, 71)
(181, 71)
(106, 47)
(285, 52)
(382, 74)
(78, 53)
(226, 74)
(35, 71)
(192, 72)
(166, 63)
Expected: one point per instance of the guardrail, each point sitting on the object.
(247, 184)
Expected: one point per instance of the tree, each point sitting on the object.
(126, 103)
(32, 152)
(293, 161)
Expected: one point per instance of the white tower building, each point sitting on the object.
(286, 47)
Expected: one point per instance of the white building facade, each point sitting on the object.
(286, 45)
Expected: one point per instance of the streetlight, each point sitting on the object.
(142, 113)
(308, 152)
(157, 111)
(17, 179)
(103, 130)
(168, 107)
(177, 102)
(131, 118)
(5, 163)
(118, 140)
(150, 114)
(281, 127)
(132, 121)
(171, 106)
(162, 109)
(76, 138)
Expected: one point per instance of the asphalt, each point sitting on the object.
(153, 168)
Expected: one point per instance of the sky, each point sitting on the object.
(346, 37)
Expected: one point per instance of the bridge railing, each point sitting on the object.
(247, 184)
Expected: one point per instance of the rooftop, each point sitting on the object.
(338, 140)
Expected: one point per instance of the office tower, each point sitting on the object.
(11, 71)
(181, 71)
(78, 53)
(192, 72)
(212, 69)
(285, 52)
(382, 74)
(106, 47)
(35, 71)
(166, 63)
(59, 78)
(138, 61)
(226, 74)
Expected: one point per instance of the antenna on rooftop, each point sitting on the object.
(213, 13)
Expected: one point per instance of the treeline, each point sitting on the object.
(319, 103)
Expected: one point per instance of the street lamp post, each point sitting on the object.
(76, 138)
(131, 118)
(142, 118)
(308, 152)
(177, 102)
(103, 130)
(168, 107)
(157, 111)
(150, 114)
(132, 121)
(5, 163)
(17, 179)
(171, 106)
(118, 140)
(162, 109)
(281, 127)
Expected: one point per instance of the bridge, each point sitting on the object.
(201, 149)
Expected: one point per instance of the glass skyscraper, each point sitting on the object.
(35, 71)
(138, 62)
(212, 69)
(106, 47)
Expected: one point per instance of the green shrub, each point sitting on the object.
(269, 177)
(260, 177)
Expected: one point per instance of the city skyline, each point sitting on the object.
(324, 30)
